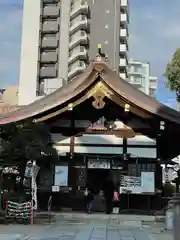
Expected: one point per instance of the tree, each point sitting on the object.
(172, 74)
(26, 141)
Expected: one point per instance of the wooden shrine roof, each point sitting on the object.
(110, 78)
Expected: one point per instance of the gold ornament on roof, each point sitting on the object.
(101, 57)
(126, 107)
(98, 102)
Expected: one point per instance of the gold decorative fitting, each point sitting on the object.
(126, 107)
(100, 58)
(162, 125)
(98, 102)
(70, 107)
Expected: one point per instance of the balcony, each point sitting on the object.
(79, 23)
(124, 3)
(48, 72)
(78, 38)
(124, 17)
(123, 47)
(49, 57)
(79, 8)
(123, 33)
(51, 11)
(50, 42)
(79, 53)
(123, 62)
(50, 26)
(125, 8)
(123, 75)
(136, 72)
(136, 81)
(54, 83)
(153, 84)
(75, 69)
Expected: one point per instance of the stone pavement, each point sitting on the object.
(89, 228)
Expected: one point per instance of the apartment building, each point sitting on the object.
(139, 75)
(8, 100)
(9, 96)
(61, 37)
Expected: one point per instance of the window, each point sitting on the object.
(82, 33)
(152, 92)
(137, 79)
(137, 69)
(81, 49)
(81, 63)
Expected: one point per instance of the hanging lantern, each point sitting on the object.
(162, 125)
(126, 107)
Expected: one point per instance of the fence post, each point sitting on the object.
(175, 203)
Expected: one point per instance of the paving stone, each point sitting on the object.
(113, 235)
(99, 233)
(10, 237)
(131, 223)
(73, 231)
(125, 233)
(128, 238)
(84, 234)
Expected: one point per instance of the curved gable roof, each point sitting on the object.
(80, 83)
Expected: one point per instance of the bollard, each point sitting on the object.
(176, 221)
(169, 217)
(175, 201)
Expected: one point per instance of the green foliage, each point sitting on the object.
(24, 141)
(169, 189)
(172, 74)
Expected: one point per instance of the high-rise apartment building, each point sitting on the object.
(60, 38)
(139, 76)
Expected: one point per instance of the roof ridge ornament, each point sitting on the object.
(100, 56)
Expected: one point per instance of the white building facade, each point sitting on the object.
(139, 75)
(61, 37)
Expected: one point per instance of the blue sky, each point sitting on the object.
(154, 36)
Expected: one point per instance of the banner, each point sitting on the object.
(130, 184)
(99, 164)
(61, 176)
(147, 182)
(19, 210)
(35, 170)
(137, 185)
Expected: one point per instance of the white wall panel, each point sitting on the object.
(142, 152)
(77, 149)
(62, 150)
(99, 150)
(60, 139)
(99, 139)
(141, 140)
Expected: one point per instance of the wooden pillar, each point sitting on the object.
(159, 159)
(125, 139)
(124, 145)
(126, 111)
(71, 152)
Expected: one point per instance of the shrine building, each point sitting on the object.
(103, 126)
